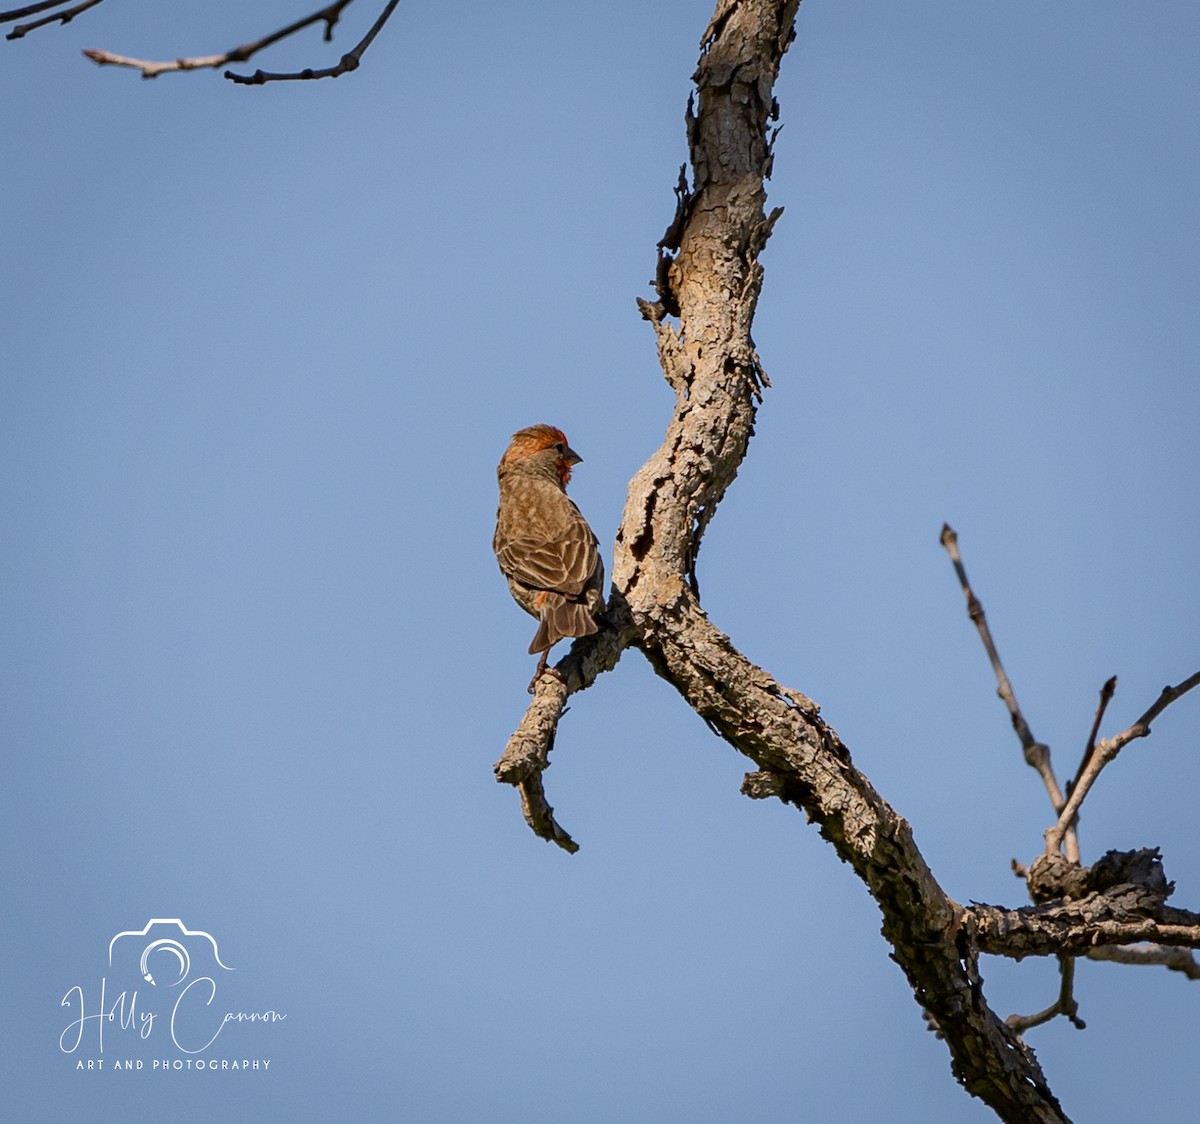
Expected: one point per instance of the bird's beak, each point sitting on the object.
(572, 457)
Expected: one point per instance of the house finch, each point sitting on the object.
(544, 546)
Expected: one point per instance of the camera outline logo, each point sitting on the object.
(171, 949)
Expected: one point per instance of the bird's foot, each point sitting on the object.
(542, 669)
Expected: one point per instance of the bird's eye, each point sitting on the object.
(559, 447)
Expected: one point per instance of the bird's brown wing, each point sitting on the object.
(562, 564)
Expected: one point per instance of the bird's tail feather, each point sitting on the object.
(560, 619)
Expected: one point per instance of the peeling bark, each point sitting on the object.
(708, 282)
(710, 360)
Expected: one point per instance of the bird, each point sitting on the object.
(546, 550)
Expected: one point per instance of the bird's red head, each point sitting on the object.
(537, 439)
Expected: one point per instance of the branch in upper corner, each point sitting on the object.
(1037, 754)
(1105, 751)
(66, 15)
(328, 15)
(348, 62)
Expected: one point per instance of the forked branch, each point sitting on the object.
(348, 62)
(329, 15)
(1064, 1005)
(1105, 751)
(708, 283)
(1037, 754)
(65, 14)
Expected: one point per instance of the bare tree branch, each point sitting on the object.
(949, 540)
(1119, 900)
(1175, 959)
(527, 754)
(713, 281)
(1037, 754)
(33, 9)
(349, 61)
(1106, 750)
(64, 17)
(1122, 917)
(707, 283)
(1064, 1005)
(329, 15)
(30, 10)
(1106, 694)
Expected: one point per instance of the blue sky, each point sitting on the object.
(262, 349)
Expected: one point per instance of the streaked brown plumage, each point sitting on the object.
(544, 546)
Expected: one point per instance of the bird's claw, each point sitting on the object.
(542, 669)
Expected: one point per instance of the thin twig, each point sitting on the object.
(329, 15)
(1105, 751)
(348, 63)
(1064, 1005)
(1037, 754)
(64, 17)
(29, 10)
(949, 540)
(1169, 694)
(1106, 694)
(1175, 959)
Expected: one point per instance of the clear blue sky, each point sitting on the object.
(261, 351)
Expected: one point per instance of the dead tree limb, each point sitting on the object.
(708, 282)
